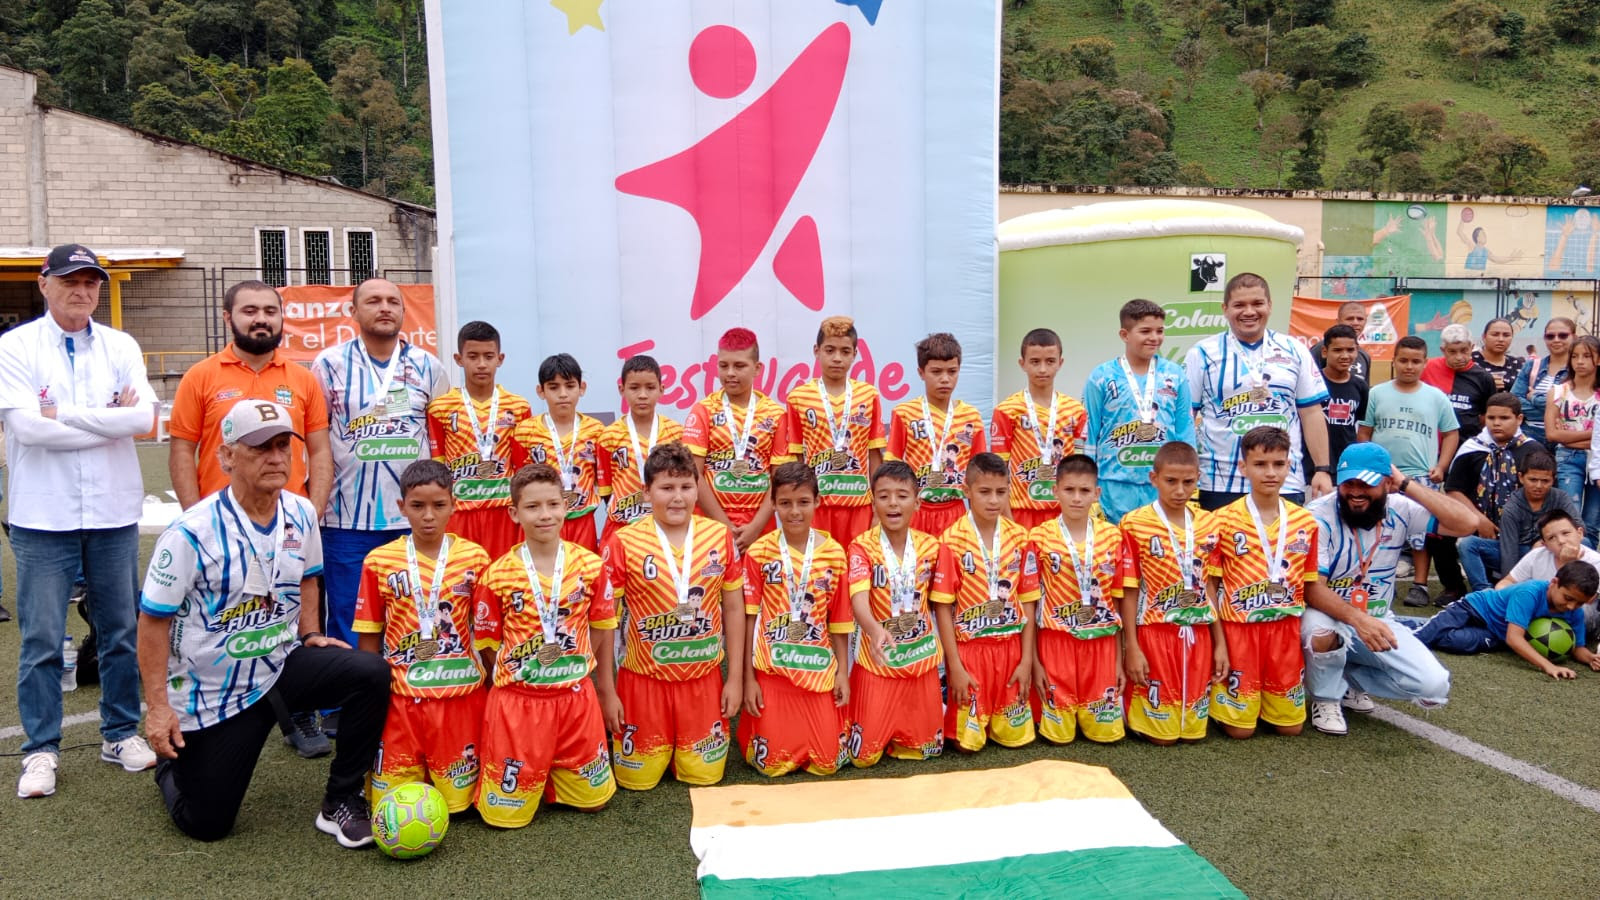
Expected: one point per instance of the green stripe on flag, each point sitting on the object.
(1118, 872)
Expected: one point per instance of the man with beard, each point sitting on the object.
(251, 368)
(1354, 646)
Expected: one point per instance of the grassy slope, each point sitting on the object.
(1216, 127)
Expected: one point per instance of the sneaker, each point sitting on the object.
(330, 724)
(1445, 599)
(5, 614)
(1404, 569)
(1327, 717)
(307, 738)
(132, 753)
(38, 775)
(1425, 703)
(1358, 701)
(348, 820)
(1418, 596)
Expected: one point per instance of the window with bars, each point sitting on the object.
(273, 250)
(361, 255)
(318, 256)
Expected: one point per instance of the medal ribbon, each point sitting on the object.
(796, 589)
(1046, 437)
(991, 556)
(902, 574)
(1249, 362)
(1275, 561)
(549, 608)
(680, 574)
(1085, 573)
(486, 438)
(840, 433)
(249, 531)
(938, 445)
(568, 480)
(633, 438)
(1367, 556)
(428, 609)
(1145, 400)
(741, 440)
(371, 367)
(1186, 560)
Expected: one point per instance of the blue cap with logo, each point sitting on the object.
(69, 258)
(1367, 463)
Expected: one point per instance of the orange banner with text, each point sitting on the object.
(317, 316)
(1388, 320)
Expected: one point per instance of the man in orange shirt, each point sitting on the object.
(251, 368)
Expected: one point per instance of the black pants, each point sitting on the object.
(204, 787)
(1211, 501)
(1447, 564)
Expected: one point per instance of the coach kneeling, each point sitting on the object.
(230, 612)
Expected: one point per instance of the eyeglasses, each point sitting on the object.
(1557, 336)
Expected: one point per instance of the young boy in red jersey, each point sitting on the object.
(894, 687)
(1077, 673)
(1037, 427)
(984, 588)
(835, 425)
(937, 434)
(735, 434)
(796, 590)
(676, 576)
(569, 442)
(627, 442)
(544, 622)
(470, 430)
(1266, 554)
(414, 608)
(1173, 646)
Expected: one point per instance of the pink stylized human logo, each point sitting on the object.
(737, 181)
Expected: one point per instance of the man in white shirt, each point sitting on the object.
(73, 393)
(1561, 539)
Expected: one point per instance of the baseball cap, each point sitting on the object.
(254, 422)
(69, 258)
(1367, 463)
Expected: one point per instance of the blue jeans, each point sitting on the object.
(47, 564)
(343, 552)
(1480, 558)
(1459, 629)
(1408, 672)
(1572, 476)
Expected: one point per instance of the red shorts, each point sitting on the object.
(490, 527)
(796, 728)
(676, 723)
(1266, 675)
(548, 744)
(581, 531)
(934, 518)
(843, 523)
(997, 708)
(1081, 677)
(433, 741)
(1176, 702)
(1033, 518)
(904, 716)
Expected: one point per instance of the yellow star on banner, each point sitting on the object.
(580, 13)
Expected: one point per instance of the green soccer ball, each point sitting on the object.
(410, 821)
(1551, 637)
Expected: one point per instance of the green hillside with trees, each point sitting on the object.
(325, 87)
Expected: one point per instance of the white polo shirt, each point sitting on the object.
(78, 470)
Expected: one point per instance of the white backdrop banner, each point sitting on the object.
(638, 176)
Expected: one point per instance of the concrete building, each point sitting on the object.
(175, 223)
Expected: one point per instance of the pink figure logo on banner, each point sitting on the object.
(737, 181)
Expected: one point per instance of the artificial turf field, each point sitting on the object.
(1378, 813)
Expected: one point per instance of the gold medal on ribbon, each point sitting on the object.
(548, 653)
(993, 609)
(1146, 432)
(795, 632)
(739, 468)
(1260, 394)
(486, 468)
(686, 612)
(895, 625)
(1189, 598)
(427, 649)
(572, 498)
(907, 622)
(1279, 592)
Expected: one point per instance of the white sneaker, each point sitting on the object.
(38, 775)
(1327, 717)
(1358, 701)
(1403, 568)
(132, 753)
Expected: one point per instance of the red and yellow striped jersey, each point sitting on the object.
(1154, 571)
(1060, 594)
(941, 471)
(961, 577)
(451, 436)
(660, 643)
(582, 459)
(620, 481)
(706, 432)
(387, 604)
(916, 643)
(1248, 592)
(509, 622)
(800, 652)
(1015, 432)
(841, 473)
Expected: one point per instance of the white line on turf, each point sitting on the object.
(1516, 768)
(12, 731)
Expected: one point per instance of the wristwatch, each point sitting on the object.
(309, 635)
(1324, 469)
(1404, 484)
